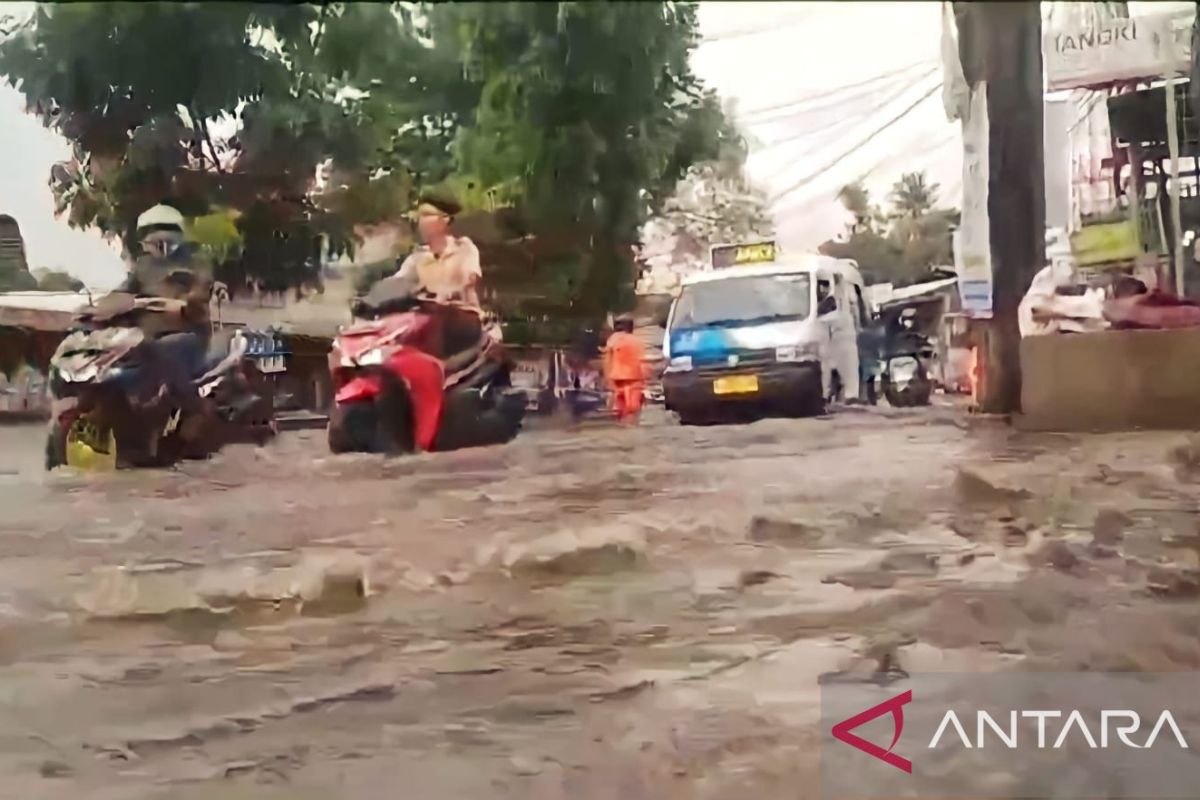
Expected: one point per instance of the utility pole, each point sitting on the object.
(1001, 44)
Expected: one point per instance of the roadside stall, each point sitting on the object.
(32, 324)
(1114, 344)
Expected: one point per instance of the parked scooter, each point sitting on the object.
(107, 411)
(907, 363)
(412, 374)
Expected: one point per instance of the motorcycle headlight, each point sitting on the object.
(680, 364)
(372, 358)
(797, 352)
(88, 373)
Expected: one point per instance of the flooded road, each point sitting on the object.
(637, 613)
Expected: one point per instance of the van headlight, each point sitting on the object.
(797, 352)
(680, 364)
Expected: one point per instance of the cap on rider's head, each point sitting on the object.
(439, 203)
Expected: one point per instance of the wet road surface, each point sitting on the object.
(636, 613)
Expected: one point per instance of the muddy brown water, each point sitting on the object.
(589, 614)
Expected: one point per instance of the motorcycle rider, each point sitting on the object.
(446, 266)
(170, 267)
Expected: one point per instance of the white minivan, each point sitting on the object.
(779, 338)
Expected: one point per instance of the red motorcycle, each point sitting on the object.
(414, 375)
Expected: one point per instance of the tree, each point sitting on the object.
(310, 120)
(855, 198)
(710, 207)
(912, 196)
(902, 245)
(57, 280)
(221, 104)
(593, 108)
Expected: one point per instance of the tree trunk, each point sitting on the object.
(1010, 36)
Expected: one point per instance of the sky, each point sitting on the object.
(827, 93)
(830, 93)
(836, 92)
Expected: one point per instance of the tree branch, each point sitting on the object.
(212, 150)
(320, 26)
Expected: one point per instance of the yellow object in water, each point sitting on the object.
(90, 448)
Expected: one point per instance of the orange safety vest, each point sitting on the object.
(624, 357)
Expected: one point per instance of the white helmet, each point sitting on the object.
(160, 217)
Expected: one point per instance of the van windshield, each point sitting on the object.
(744, 301)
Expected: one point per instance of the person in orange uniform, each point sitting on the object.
(623, 370)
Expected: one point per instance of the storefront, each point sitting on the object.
(1133, 142)
(31, 326)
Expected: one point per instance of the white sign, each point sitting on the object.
(973, 241)
(1101, 52)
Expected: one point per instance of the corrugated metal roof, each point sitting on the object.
(68, 302)
(40, 311)
(918, 289)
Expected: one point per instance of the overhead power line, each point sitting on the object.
(912, 159)
(744, 116)
(842, 119)
(846, 154)
(747, 32)
(836, 104)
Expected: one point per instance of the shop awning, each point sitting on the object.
(40, 311)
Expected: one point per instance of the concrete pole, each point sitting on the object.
(1176, 214)
(1011, 36)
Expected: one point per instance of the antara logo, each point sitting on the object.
(1122, 723)
(895, 706)
(1075, 722)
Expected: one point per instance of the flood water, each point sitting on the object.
(587, 614)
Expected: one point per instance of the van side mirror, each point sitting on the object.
(827, 305)
(661, 315)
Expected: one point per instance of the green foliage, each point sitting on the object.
(593, 109)
(217, 233)
(54, 280)
(579, 117)
(913, 196)
(900, 246)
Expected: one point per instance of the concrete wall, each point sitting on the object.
(1110, 381)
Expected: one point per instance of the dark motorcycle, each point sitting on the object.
(907, 364)
(107, 411)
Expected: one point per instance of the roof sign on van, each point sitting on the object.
(743, 255)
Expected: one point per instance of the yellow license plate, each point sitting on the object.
(736, 384)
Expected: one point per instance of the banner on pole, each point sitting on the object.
(973, 241)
